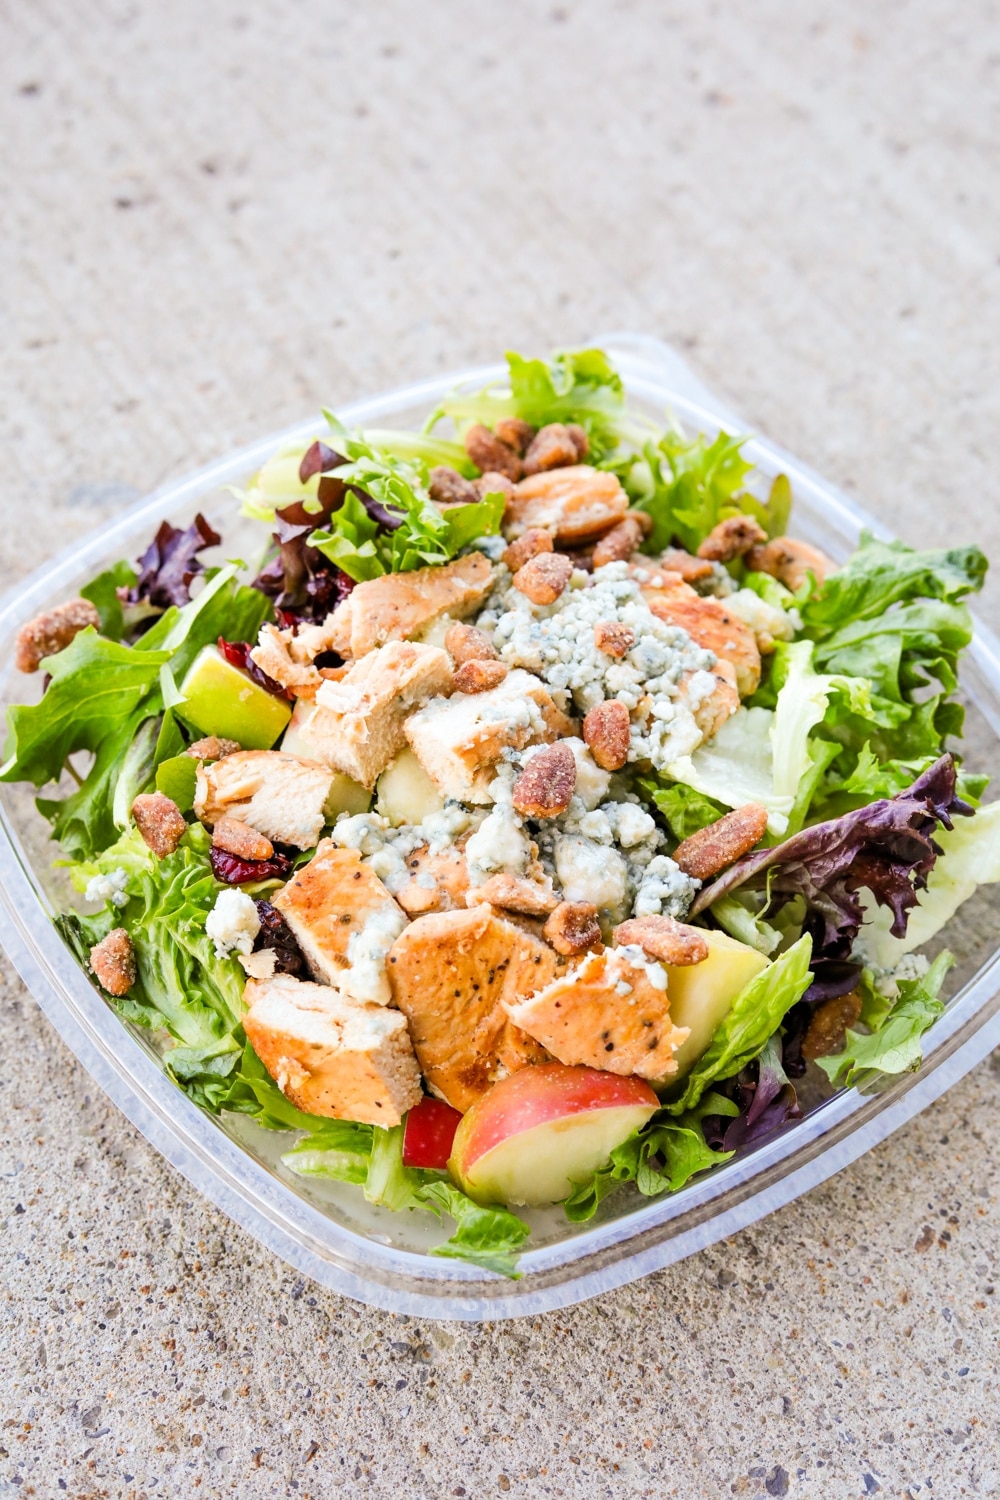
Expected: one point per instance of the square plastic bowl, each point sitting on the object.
(327, 1230)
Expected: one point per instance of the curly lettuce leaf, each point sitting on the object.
(489, 1236)
(103, 593)
(685, 810)
(756, 1014)
(896, 1046)
(881, 574)
(662, 1156)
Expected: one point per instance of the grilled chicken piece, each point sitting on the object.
(400, 605)
(278, 794)
(344, 920)
(460, 740)
(357, 727)
(438, 882)
(604, 1013)
(330, 1055)
(711, 625)
(574, 505)
(450, 974)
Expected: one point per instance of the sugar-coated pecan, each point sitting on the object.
(621, 541)
(790, 561)
(663, 938)
(51, 632)
(579, 439)
(828, 1026)
(466, 643)
(732, 538)
(160, 822)
(530, 544)
(544, 577)
(573, 927)
(449, 487)
(552, 447)
(237, 837)
(212, 747)
(714, 848)
(492, 483)
(608, 732)
(478, 676)
(613, 639)
(490, 455)
(515, 433)
(548, 781)
(113, 961)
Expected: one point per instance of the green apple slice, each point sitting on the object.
(220, 699)
(702, 995)
(405, 792)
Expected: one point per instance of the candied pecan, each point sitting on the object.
(478, 676)
(212, 747)
(51, 632)
(579, 439)
(160, 822)
(528, 545)
(515, 433)
(613, 639)
(828, 1025)
(515, 893)
(237, 837)
(663, 938)
(608, 732)
(690, 569)
(113, 961)
(618, 544)
(544, 577)
(790, 561)
(573, 927)
(492, 483)
(466, 643)
(548, 781)
(552, 447)
(490, 455)
(449, 487)
(731, 538)
(713, 848)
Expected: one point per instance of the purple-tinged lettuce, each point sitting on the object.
(887, 848)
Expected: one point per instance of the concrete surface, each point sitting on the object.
(215, 216)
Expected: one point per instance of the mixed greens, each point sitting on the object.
(875, 830)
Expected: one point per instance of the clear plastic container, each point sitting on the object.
(328, 1231)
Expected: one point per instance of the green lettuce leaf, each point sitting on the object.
(340, 1149)
(491, 1237)
(102, 592)
(662, 1156)
(96, 684)
(880, 574)
(685, 810)
(896, 1047)
(756, 1014)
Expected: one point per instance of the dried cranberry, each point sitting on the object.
(237, 654)
(234, 871)
(276, 934)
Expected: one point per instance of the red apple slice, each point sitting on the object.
(428, 1133)
(543, 1129)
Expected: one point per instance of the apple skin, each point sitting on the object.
(220, 699)
(543, 1128)
(429, 1133)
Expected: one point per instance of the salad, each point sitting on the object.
(529, 819)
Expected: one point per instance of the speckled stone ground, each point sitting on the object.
(216, 216)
